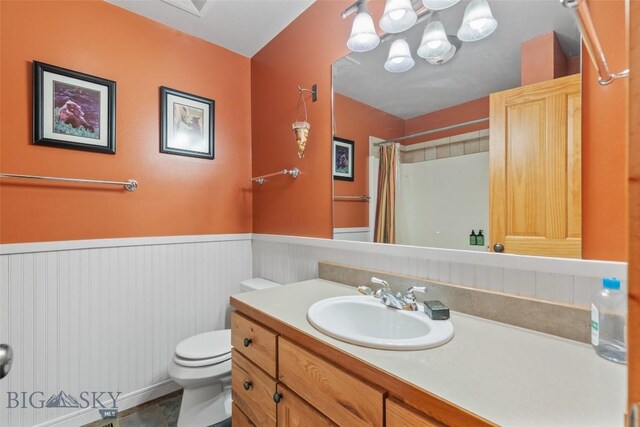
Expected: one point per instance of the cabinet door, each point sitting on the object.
(535, 169)
(295, 412)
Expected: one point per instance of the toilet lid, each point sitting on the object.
(208, 345)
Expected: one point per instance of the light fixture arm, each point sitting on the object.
(355, 7)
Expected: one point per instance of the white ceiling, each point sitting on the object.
(478, 69)
(243, 26)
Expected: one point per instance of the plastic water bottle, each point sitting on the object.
(608, 320)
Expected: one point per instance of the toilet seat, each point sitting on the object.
(209, 348)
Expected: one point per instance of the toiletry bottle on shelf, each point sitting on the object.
(473, 238)
(608, 320)
(480, 239)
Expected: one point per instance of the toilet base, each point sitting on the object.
(204, 406)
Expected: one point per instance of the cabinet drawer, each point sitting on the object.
(239, 419)
(253, 391)
(400, 415)
(335, 393)
(255, 342)
(293, 411)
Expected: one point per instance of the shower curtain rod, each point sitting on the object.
(429, 132)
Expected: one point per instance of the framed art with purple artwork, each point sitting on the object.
(343, 159)
(73, 110)
(186, 124)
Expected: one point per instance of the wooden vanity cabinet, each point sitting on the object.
(400, 415)
(276, 381)
(293, 411)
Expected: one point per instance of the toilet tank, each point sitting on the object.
(256, 284)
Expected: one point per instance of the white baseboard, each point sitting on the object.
(126, 401)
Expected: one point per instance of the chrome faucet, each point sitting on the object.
(406, 301)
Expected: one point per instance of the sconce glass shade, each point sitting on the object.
(363, 33)
(398, 16)
(434, 41)
(439, 4)
(399, 59)
(439, 60)
(478, 22)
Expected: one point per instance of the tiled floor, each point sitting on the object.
(161, 412)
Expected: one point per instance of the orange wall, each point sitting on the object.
(357, 121)
(542, 59)
(177, 195)
(472, 110)
(300, 55)
(604, 140)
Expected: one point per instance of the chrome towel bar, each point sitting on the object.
(262, 178)
(580, 9)
(129, 185)
(362, 198)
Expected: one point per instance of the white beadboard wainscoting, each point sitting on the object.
(287, 259)
(356, 234)
(105, 315)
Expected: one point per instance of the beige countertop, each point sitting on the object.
(505, 374)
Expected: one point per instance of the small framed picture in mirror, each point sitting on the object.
(343, 161)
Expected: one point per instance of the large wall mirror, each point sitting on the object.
(479, 152)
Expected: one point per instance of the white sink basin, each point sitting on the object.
(365, 321)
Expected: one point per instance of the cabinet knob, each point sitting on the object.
(246, 342)
(277, 397)
(247, 385)
(498, 247)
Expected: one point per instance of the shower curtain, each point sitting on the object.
(385, 228)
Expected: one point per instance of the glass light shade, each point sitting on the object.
(478, 22)
(363, 34)
(398, 16)
(434, 41)
(444, 58)
(439, 4)
(399, 59)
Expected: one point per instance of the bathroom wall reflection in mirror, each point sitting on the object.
(497, 145)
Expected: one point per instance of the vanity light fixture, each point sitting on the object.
(399, 59)
(478, 22)
(398, 16)
(439, 4)
(434, 43)
(363, 36)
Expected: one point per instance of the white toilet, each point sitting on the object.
(202, 366)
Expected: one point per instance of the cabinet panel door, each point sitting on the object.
(345, 399)
(293, 411)
(535, 169)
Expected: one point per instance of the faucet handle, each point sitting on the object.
(410, 294)
(383, 283)
(365, 290)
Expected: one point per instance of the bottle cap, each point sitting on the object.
(611, 283)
